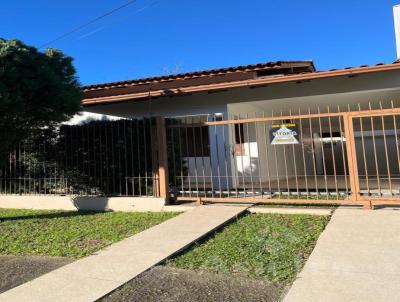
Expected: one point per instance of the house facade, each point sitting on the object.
(270, 132)
(239, 158)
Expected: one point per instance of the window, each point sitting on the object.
(239, 139)
(239, 134)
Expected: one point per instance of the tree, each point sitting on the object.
(38, 90)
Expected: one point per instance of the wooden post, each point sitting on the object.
(368, 205)
(351, 156)
(162, 158)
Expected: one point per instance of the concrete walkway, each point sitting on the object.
(290, 210)
(357, 258)
(91, 278)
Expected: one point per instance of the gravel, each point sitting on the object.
(169, 284)
(16, 270)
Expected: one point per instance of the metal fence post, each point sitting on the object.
(351, 156)
(162, 158)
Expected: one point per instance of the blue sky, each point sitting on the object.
(155, 37)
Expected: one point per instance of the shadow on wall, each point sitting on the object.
(91, 203)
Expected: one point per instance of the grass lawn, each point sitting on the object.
(68, 234)
(272, 247)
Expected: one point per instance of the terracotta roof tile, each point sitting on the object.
(204, 73)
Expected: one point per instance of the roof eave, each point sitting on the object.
(237, 84)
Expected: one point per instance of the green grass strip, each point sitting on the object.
(270, 246)
(71, 234)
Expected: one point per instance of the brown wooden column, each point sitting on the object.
(162, 151)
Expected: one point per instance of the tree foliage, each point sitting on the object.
(37, 90)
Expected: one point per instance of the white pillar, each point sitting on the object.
(396, 15)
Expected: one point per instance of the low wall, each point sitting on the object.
(74, 203)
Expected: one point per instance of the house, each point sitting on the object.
(279, 131)
(337, 129)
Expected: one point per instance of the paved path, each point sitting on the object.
(93, 277)
(290, 210)
(357, 258)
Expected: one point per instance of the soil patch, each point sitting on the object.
(169, 284)
(16, 270)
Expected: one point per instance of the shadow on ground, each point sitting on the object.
(49, 215)
(16, 270)
(178, 285)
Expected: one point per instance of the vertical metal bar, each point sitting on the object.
(375, 154)
(250, 159)
(132, 156)
(19, 168)
(154, 159)
(84, 158)
(145, 153)
(217, 157)
(363, 151)
(323, 155)
(126, 160)
(386, 152)
(344, 157)
(107, 163)
(211, 166)
(39, 166)
(295, 162)
(139, 157)
(70, 166)
(277, 167)
(188, 155)
(181, 157)
(313, 154)
(333, 155)
(10, 172)
(90, 176)
(119, 157)
(231, 129)
(70, 163)
(95, 159)
(202, 159)
(15, 169)
(301, 137)
(241, 155)
(23, 166)
(396, 138)
(113, 157)
(173, 154)
(267, 155)
(54, 163)
(225, 161)
(258, 159)
(195, 155)
(286, 164)
(100, 155)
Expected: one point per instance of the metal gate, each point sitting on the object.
(375, 156)
(336, 158)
